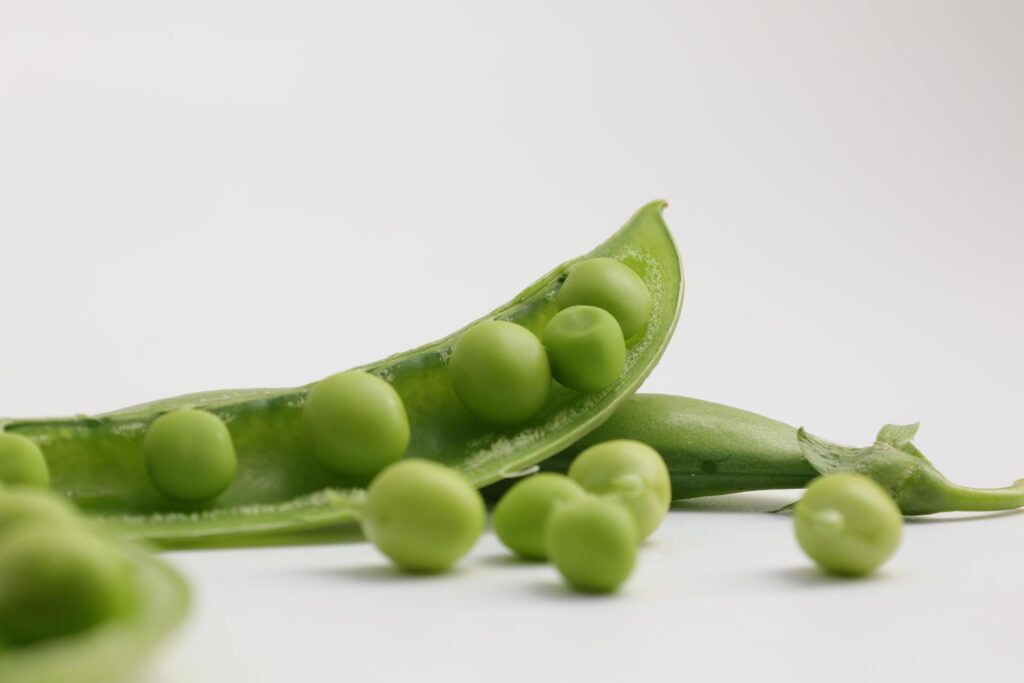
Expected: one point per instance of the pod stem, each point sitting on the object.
(967, 499)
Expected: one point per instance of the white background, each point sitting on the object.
(199, 195)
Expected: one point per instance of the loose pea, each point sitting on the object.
(423, 515)
(356, 423)
(611, 285)
(520, 517)
(189, 455)
(55, 581)
(631, 470)
(28, 505)
(500, 372)
(847, 523)
(586, 348)
(593, 543)
(21, 461)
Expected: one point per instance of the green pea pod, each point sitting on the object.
(114, 649)
(713, 449)
(281, 487)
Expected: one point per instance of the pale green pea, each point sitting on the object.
(356, 423)
(586, 348)
(422, 515)
(189, 455)
(520, 517)
(21, 505)
(611, 285)
(22, 462)
(634, 472)
(593, 543)
(847, 523)
(500, 372)
(55, 581)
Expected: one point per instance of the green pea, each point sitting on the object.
(356, 423)
(500, 372)
(21, 461)
(593, 543)
(189, 455)
(55, 581)
(422, 515)
(27, 505)
(632, 471)
(520, 517)
(611, 285)
(847, 523)
(586, 348)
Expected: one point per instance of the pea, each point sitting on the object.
(55, 581)
(422, 515)
(500, 372)
(632, 471)
(23, 505)
(847, 523)
(611, 285)
(520, 517)
(586, 348)
(21, 461)
(593, 543)
(356, 423)
(189, 455)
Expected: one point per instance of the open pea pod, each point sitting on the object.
(114, 649)
(281, 487)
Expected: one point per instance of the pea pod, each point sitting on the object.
(712, 449)
(281, 487)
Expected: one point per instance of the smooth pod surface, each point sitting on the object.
(423, 516)
(282, 487)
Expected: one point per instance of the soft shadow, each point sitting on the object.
(963, 517)
(812, 576)
(378, 573)
(508, 559)
(751, 503)
(559, 590)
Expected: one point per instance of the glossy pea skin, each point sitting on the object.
(22, 462)
(190, 456)
(632, 471)
(422, 515)
(55, 581)
(593, 543)
(500, 372)
(586, 348)
(848, 524)
(611, 285)
(356, 423)
(521, 516)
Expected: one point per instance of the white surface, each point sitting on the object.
(199, 195)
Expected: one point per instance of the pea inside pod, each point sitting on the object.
(281, 485)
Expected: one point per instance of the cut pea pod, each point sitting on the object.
(280, 486)
(712, 449)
